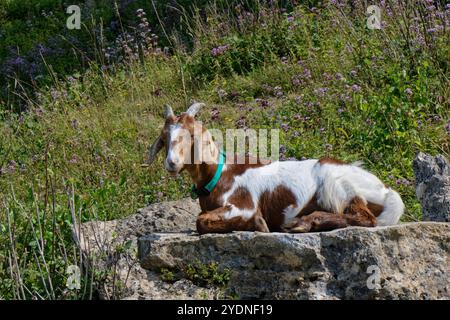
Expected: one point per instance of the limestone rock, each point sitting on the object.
(111, 249)
(409, 261)
(433, 186)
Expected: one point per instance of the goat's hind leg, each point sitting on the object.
(355, 214)
(215, 221)
(318, 221)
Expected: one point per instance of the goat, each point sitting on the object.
(290, 196)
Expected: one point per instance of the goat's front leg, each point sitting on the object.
(216, 221)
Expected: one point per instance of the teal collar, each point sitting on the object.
(206, 190)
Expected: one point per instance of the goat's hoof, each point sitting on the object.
(300, 228)
(261, 225)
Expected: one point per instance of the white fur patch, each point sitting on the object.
(235, 212)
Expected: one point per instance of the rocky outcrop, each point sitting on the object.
(111, 250)
(433, 186)
(409, 261)
(156, 254)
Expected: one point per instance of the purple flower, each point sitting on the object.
(339, 77)
(282, 150)
(355, 88)
(74, 159)
(263, 103)
(241, 123)
(285, 127)
(217, 51)
(215, 112)
(321, 91)
(408, 92)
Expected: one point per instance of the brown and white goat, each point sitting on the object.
(293, 196)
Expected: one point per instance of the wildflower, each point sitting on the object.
(326, 76)
(263, 103)
(295, 81)
(321, 91)
(74, 124)
(222, 93)
(74, 159)
(408, 92)
(436, 118)
(12, 165)
(217, 51)
(215, 112)
(241, 123)
(282, 150)
(356, 88)
(285, 127)
(339, 77)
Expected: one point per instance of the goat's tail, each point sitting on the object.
(393, 209)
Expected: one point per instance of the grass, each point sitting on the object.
(332, 86)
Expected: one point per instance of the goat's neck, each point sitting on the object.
(202, 173)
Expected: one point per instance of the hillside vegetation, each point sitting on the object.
(79, 108)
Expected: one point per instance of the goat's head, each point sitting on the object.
(182, 137)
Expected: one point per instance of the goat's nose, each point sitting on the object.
(170, 163)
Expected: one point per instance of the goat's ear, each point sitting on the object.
(154, 149)
(168, 112)
(194, 109)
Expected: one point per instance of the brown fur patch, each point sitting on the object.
(241, 199)
(310, 207)
(272, 205)
(359, 214)
(326, 160)
(376, 209)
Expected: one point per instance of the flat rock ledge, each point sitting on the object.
(407, 261)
